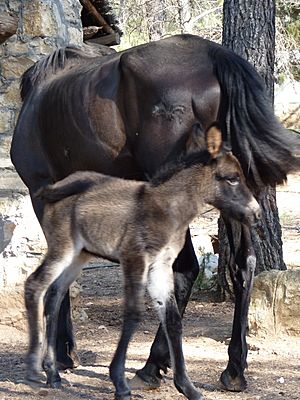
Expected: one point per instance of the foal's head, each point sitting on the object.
(227, 190)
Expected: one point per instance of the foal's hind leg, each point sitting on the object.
(186, 270)
(52, 306)
(242, 268)
(135, 275)
(65, 343)
(35, 288)
(161, 289)
(34, 296)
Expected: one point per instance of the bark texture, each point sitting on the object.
(249, 30)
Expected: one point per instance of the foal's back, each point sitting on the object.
(91, 211)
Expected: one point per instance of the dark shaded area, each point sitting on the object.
(90, 23)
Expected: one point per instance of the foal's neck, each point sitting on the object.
(186, 189)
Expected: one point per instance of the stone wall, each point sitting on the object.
(43, 25)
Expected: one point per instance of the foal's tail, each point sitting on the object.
(266, 151)
(76, 183)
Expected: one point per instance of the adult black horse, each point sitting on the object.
(126, 114)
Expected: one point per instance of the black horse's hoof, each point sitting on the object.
(70, 361)
(237, 384)
(137, 383)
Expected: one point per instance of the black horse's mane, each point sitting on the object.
(167, 170)
(46, 67)
(64, 58)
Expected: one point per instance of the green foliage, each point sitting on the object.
(288, 40)
(294, 30)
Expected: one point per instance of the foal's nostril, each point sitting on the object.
(258, 214)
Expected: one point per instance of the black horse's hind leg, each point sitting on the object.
(242, 268)
(186, 270)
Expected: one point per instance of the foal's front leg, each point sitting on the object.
(135, 275)
(186, 269)
(242, 267)
(161, 289)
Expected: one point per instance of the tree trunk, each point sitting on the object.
(249, 30)
(8, 26)
(155, 14)
(184, 16)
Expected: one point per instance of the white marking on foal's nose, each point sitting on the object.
(254, 206)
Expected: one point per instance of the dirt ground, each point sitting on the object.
(273, 363)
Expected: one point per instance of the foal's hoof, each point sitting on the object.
(122, 397)
(126, 395)
(53, 380)
(137, 383)
(237, 384)
(34, 377)
(54, 384)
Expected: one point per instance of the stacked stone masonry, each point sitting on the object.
(43, 25)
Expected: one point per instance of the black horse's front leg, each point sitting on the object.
(65, 341)
(186, 270)
(242, 267)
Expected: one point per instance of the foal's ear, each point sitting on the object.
(196, 140)
(214, 141)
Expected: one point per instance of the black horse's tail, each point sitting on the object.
(76, 183)
(266, 150)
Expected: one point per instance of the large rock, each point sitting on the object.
(22, 242)
(275, 303)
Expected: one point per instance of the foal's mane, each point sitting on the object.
(166, 171)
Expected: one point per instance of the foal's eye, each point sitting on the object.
(233, 181)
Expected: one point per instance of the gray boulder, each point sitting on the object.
(275, 303)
